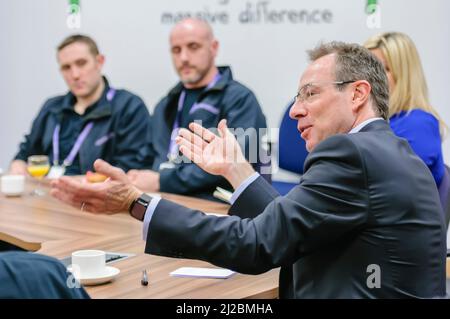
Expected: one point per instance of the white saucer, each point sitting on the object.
(108, 275)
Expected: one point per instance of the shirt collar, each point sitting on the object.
(359, 127)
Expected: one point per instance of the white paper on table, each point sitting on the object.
(198, 272)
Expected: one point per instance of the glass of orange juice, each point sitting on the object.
(38, 167)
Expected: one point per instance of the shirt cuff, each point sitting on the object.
(243, 186)
(148, 215)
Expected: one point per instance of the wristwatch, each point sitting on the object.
(139, 206)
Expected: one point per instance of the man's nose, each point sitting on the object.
(184, 55)
(297, 110)
(75, 72)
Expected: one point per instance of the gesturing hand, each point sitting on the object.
(218, 155)
(111, 196)
(144, 179)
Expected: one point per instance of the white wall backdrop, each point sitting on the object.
(267, 55)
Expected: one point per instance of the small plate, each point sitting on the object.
(108, 275)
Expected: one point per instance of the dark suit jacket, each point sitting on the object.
(26, 275)
(366, 211)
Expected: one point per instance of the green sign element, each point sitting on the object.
(74, 6)
(371, 6)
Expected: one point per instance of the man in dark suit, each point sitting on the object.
(364, 221)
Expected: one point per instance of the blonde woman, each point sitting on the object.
(411, 115)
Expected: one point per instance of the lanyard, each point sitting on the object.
(79, 141)
(173, 147)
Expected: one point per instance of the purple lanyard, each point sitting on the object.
(173, 148)
(80, 139)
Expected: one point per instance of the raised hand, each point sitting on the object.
(218, 155)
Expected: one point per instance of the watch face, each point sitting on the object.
(140, 206)
(139, 210)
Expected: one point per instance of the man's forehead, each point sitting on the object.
(74, 51)
(189, 32)
(180, 38)
(75, 47)
(320, 70)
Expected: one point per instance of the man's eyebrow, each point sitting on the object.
(305, 85)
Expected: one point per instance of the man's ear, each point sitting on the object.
(215, 47)
(361, 93)
(100, 58)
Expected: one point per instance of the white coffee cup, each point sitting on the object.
(89, 263)
(12, 185)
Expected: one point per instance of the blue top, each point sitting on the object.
(421, 130)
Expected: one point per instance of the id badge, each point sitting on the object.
(56, 172)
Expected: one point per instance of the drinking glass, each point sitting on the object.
(38, 167)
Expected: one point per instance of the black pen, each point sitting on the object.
(144, 280)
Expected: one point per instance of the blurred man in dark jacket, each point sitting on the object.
(93, 120)
(206, 93)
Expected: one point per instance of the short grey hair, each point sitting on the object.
(353, 63)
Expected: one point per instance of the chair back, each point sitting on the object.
(444, 194)
(291, 147)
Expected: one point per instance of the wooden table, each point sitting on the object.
(63, 229)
